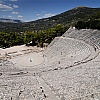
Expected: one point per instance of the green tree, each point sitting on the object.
(28, 36)
(80, 25)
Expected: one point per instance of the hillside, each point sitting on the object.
(66, 18)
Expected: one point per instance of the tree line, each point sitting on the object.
(8, 39)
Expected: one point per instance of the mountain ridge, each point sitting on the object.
(10, 20)
(68, 18)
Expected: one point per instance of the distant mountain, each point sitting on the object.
(10, 20)
(68, 18)
(65, 18)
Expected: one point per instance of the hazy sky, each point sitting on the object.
(28, 10)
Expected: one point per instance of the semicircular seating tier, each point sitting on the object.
(67, 51)
(91, 37)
